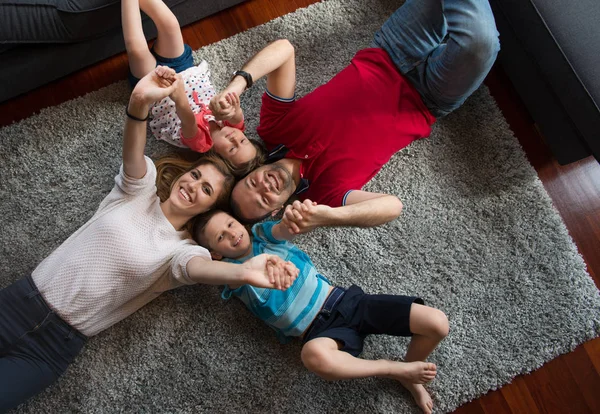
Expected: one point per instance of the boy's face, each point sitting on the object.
(231, 144)
(227, 236)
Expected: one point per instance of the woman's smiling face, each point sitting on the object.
(197, 190)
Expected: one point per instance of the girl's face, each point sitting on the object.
(197, 190)
(227, 236)
(231, 144)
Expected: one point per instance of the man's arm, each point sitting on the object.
(362, 209)
(277, 62)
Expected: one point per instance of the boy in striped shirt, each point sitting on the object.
(331, 321)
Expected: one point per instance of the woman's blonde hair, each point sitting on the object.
(170, 168)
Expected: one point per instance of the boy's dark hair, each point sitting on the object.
(199, 225)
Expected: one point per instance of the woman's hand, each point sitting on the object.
(270, 271)
(156, 85)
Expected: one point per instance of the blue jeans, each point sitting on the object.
(444, 47)
(36, 345)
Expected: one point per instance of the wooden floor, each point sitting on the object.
(568, 384)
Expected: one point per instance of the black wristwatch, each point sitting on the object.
(244, 75)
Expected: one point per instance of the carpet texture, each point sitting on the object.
(478, 238)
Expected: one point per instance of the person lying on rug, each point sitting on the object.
(133, 248)
(332, 322)
(427, 58)
(183, 118)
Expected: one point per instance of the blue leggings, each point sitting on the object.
(36, 345)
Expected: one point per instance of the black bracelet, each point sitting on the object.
(135, 118)
(244, 75)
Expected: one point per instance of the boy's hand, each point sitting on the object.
(302, 217)
(156, 85)
(270, 271)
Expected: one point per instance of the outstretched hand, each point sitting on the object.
(156, 85)
(302, 217)
(270, 271)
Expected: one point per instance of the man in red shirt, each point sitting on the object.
(427, 58)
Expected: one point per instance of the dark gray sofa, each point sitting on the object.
(43, 40)
(551, 52)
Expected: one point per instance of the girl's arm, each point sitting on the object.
(265, 271)
(189, 128)
(151, 88)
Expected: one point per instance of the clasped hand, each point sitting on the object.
(225, 106)
(270, 271)
(302, 217)
(156, 85)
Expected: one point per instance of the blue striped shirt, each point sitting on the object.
(290, 312)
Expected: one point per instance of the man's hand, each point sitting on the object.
(270, 271)
(156, 85)
(302, 217)
(225, 105)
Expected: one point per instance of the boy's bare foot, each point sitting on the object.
(416, 372)
(421, 396)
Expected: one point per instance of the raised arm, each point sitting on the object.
(277, 62)
(362, 209)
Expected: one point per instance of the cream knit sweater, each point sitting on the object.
(127, 254)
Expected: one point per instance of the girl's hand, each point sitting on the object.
(221, 107)
(156, 85)
(178, 95)
(270, 271)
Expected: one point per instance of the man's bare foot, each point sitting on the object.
(421, 396)
(416, 372)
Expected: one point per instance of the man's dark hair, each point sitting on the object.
(237, 212)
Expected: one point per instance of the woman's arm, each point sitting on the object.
(266, 271)
(151, 88)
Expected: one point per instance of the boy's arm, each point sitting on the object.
(280, 231)
(265, 271)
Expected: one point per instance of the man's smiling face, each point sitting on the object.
(263, 191)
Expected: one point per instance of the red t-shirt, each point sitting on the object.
(346, 130)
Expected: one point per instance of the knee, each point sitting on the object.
(316, 359)
(439, 326)
(483, 45)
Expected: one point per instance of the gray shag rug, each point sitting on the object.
(478, 238)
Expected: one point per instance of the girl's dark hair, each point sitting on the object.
(244, 169)
(199, 224)
(170, 168)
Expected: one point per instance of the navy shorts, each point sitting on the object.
(348, 316)
(179, 64)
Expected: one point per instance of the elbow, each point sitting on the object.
(395, 207)
(285, 46)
